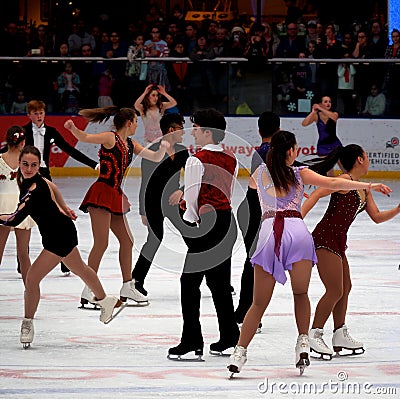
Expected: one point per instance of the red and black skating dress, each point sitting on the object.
(331, 232)
(106, 191)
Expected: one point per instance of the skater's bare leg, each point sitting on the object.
(4, 233)
(264, 285)
(300, 279)
(330, 269)
(75, 263)
(340, 309)
(22, 238)
(120, 227)
(44, 263)
(101, 221)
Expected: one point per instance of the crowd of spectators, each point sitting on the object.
(70, 84)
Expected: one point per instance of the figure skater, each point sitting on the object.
(151, 109)
(9, 198)
(105, 201)
(41, 199)
(330, 236)
(326, 120)
(280, 188)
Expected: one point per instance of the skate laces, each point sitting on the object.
(318, 338)
(348, 336)
(302, 341)
(26, 327)
(239, 353)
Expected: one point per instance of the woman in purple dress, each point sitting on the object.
(284, 242)
(325, 119)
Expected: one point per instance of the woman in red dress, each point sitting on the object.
(330, 239)
(105, 201)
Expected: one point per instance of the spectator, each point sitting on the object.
(378, 42)
(348, 45)
(311, 32)
(272, 40)
(12, 44)
(200, 73)
(68, 83)
(42, 39)
(391, 85)
(89, 73)
(78, 37)
(291, 46)
(328, 47)
(105, 85)
(190, 38)
(376, 103)
(256, 50)
(156, 71)
(20, 105)
(346, 74)
(378, 45)
(363, 78)
(3, 108)
(136, 70)
(117, 48)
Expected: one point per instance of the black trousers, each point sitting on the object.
(209, 255)
(155, 233)
(249, 220)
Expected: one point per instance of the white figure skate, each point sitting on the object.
(318, 345)
(302, 352)
(342, 340)
(237, 360)
(27, 333)
(129, 291)
(87, 298)
(107, 307)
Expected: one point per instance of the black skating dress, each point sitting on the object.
(58, 231)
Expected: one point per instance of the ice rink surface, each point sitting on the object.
(75, 356)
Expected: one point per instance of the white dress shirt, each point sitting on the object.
(38, 140)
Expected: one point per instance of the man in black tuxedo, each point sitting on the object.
(42, 136)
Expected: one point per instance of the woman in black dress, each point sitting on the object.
(41, 199)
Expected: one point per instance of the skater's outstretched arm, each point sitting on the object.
(380, 216)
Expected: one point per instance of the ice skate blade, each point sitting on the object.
(120, 306)
(319, 355)
(354, 351)
(179, 358)
(93, 306)
(303, 362)
(221, 354)
(233, 370)
(133, 304)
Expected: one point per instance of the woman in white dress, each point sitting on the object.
(9, 197)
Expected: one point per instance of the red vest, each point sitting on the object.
(216, 185)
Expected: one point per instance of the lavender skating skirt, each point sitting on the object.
(297, 244)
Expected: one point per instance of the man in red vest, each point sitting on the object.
(209, 179)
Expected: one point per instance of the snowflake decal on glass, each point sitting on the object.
(309, 95)
(291, 107)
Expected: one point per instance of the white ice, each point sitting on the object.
(75, 356)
